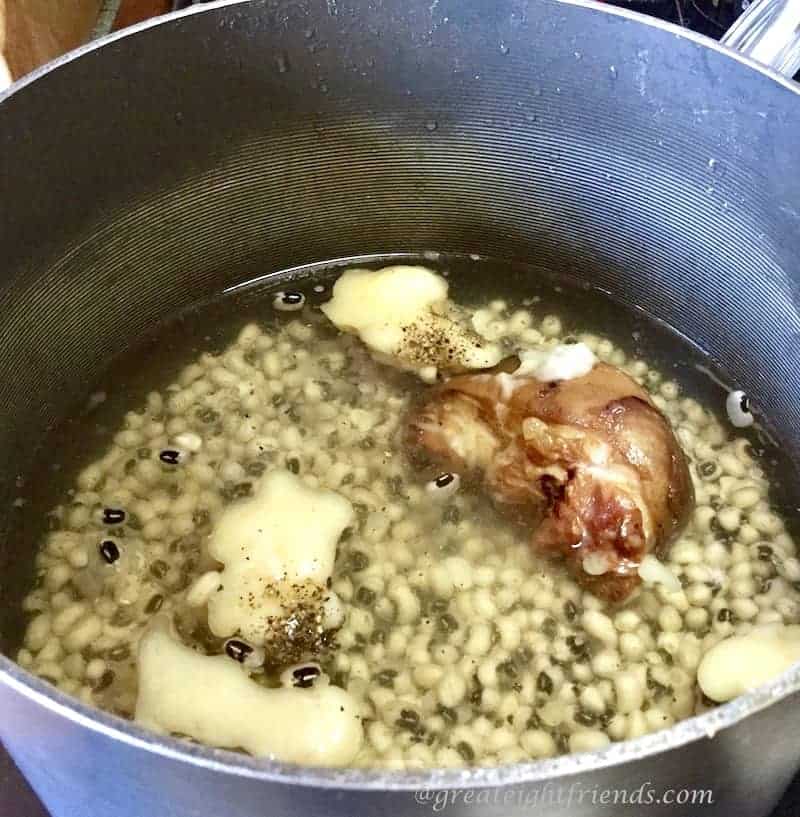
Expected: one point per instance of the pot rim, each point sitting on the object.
(224, 761)
(209, 6)
(228, 762)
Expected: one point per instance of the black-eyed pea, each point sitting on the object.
(500, 739)
(765, 522)
(788, 608)
(697, 618)
(606, 663)
(427, 675)
(592, 700)
(669, 620)
(657, 719)
(69, 685)
(68, 617)
(745, 609)
(600, 626)
(483, 604)
(703, 515)
(629, 692)
(716, 554)
(636, 725)
(38, 632)
(744, 588)
(75, 666)
(419, 756)
(84, 633)
(668, 642)
(587, 740)
(508, 707)
(538, 744)
(448, 758)
(746, 497)
(61, 601)
(626, 621)
(582, 672)
(790, 569)
(631, 646)
(445, 655)
(729, 518)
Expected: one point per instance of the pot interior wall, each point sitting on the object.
(163, 167)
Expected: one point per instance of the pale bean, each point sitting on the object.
(627, 621)
(452, 689)
(427, 676)
(68, 617)
(480, 639)
(600, 626)
(606, 663)
(408, 605)
(745, 498)
(538, 743)
(586, 740)
(669, 619)
(630, 692)
(38, 632)
(631, 646)
(82, 635)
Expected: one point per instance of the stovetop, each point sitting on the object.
(704, 16)
(709, 17)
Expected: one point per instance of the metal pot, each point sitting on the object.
(166, 164)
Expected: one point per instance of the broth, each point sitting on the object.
(460, 644)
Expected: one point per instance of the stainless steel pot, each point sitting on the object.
(165, 164)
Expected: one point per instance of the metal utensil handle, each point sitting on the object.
(769, 31)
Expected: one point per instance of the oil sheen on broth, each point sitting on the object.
(307, 523)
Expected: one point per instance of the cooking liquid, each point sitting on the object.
(460, 644)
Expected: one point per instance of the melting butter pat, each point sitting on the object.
(212, 699)
(739, 663)
(403, 315)
(565, 361)
(278, 549)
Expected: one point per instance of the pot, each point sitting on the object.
(166, 164)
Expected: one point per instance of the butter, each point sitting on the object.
(212, 700)
(562, 362)
(278, 550)
(740, 663)
(403, 315)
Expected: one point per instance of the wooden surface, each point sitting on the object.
(40, 30)
(134, 11)
(37, 31)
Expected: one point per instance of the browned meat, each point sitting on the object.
(591, 462)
